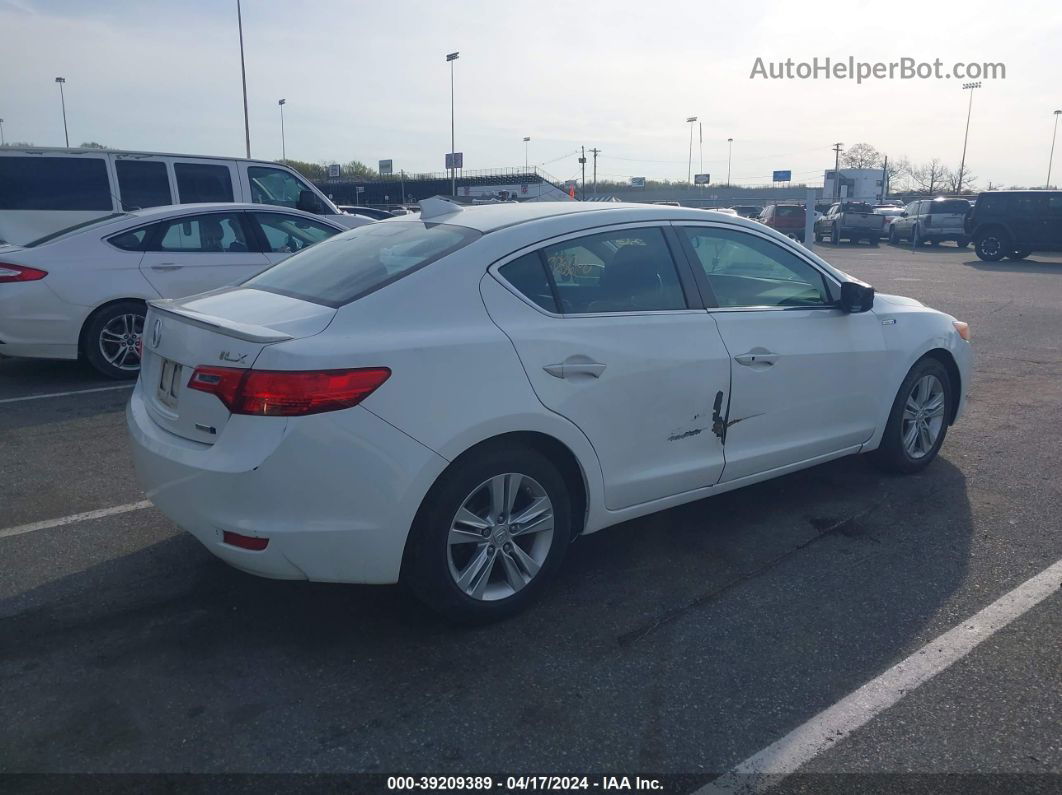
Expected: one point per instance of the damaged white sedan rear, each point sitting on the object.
(451, 399)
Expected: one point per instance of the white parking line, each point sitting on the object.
(77, 517)
(768, 767)
(64, 394)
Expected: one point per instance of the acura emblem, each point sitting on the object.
(156, 334)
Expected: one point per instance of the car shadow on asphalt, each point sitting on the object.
(1027, 265)
(760, 606)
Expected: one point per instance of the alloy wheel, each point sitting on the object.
(500, 537)
(923, 416)
(120, 341)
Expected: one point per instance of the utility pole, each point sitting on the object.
(729, 158)
(595, 152)
(885, 179)
(962, 163)
(243, 77)
(62, 101)
(700, 136)
(1050, 160)
(837, 147)
(582, 162)
(1, 132)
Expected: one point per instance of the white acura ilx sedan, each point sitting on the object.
(450, 399)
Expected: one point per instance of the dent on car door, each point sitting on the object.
(806, 376)
(603, 329)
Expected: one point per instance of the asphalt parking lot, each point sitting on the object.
(682, 643)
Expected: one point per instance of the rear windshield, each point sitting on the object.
(355, 263)
(950, 206)
(788, 211)
(858, 207)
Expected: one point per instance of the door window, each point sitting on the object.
(203, 182)
(528, 275)
(213, 233)
(286, 234)
(629, 270)
(132, 240)
(274, 186)
(143, 183)
(746, 270)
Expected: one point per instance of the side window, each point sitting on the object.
(1054, 205)
(132, 240)
(54, 183)
(286, 234)
(213, 233)
(629, 270)
(1031, 204)
(143, 183)
(274, 186)
(746, 270)
(528, 275)
(203, 182)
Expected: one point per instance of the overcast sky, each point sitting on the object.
(367, 79)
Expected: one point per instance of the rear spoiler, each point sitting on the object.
(230, 328)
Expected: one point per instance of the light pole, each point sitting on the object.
(450, 58)
(691, 120)
(1, 132)
(1050, 160)
(962, 163)
(243, 77)
(729, 158)
(283, 145)
(527, 140)
(62, 101)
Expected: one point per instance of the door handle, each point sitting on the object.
(568, 368)
(756, 359)
(166, 266)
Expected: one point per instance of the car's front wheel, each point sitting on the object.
(918, 421)
(491, 532)
(992, 246)
(111, 341)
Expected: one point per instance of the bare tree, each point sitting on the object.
(967, 182)
(931, 177)
(861, 155)
(897, 171)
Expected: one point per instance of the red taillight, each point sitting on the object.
(244, 542)
(19, 273)
(280, 393)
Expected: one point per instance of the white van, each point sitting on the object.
(43, 190)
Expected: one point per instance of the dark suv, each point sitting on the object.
(1014, 223)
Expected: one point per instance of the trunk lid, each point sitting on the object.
(223, 328)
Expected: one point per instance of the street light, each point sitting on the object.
(450, 58)
(62, 101)
(1050, 160)
(962, 163)
(243, 77)
(527, 139)
(729, 157)
(1, 132)
(691, 120)
(283, 146)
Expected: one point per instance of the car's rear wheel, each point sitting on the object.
(491, 532)
(111, 341)
(992, 246)
(818, 238)
(875, 240)
(918, 421)
(835, 235)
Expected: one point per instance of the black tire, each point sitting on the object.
(874, 241)
(891, 455)
(835, 235)
(992, 246)
(111, 338)
(962, 242)
(818, 238)
(428, 564)
(1017, 255)
(893, 237)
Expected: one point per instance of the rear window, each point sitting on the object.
(54, 183)
(789, 212)
(949, 206)
(355, 263)
(858, 207)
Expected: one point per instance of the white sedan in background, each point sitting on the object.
(449, 400)
(82, 291)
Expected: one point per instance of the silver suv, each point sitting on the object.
(931, 221)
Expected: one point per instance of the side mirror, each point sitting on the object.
(308, 202)
(856, 297)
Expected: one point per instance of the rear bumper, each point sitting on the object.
(35, 322)
(334, 493)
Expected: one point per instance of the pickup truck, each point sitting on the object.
(853, 221)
